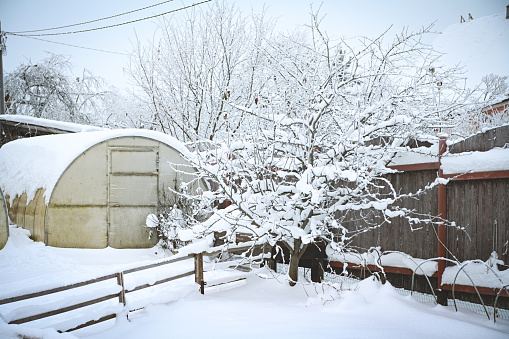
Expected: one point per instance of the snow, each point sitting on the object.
(392, 259)
(482, 274)
(261, 304)
(32, 163)
(479, 45)
(65, 126)
(420, 155)
(496, 159)
(268, 308)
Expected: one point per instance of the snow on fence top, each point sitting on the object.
(420, 155)
(59, 125)
(32, 163)
(496, 159)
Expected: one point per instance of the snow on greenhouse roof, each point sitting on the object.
(32, 163)
(51, 124)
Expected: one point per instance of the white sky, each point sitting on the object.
(343, 18)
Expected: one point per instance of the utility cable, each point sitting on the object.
(96, 20)
(110, 26)
(61, 43)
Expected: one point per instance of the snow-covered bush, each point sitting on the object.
(176, 216)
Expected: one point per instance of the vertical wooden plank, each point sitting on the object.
(473, 207)
(120, 282)
(198, 271)
(503, 220)
(442, 214)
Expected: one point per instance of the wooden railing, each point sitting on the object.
(198, 272)
(121, 295)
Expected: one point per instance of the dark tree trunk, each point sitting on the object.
(295, 255)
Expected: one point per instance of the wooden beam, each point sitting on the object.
(91, 322)
(63, 310)
(198, 271)
(141, 268)
(416, 167)
(478, 175)
(374, 268)
(442, 213)
(186, 274)
(55, 290)
(471, 289)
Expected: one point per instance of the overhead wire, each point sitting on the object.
(96, 20)
(62, 43)
(110, 26)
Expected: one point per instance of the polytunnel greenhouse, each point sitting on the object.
(4, 222)
(93, 189)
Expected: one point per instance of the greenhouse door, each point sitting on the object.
(132, 195)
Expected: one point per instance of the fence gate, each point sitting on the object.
(132, 194)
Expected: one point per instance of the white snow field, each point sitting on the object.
(263, 305)
(477, 46)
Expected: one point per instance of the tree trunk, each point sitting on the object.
(295, 255)
(293, 270)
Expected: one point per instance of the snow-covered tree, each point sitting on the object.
(327, 122)
(49, 89)
(492, 90)
(195, 66)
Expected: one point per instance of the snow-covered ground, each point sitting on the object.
(261, 305)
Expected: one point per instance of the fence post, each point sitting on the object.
(442, 212)
(198, 271)
(120, 282)
(316, 270)
(273, 260)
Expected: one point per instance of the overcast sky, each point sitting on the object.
(342, 18)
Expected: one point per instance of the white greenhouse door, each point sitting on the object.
(132, 195)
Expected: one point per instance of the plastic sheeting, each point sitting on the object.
(4, 221)
(104, 195)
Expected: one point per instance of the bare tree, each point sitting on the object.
(48, 89)
(196, 66)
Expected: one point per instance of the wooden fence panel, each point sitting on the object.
(419, 241)
(482, 207)
(496, 137)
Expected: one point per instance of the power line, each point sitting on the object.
(88, 22)
(110, 26)
(61, 43)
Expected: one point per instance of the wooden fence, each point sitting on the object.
(477, 201)
(198, 272)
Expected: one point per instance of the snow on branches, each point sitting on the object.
(324, 126)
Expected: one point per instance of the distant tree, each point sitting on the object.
(48, 89)
(492, 90)
(196, 66)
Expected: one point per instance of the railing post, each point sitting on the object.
(198, 271)
(442, 212)
(120, 282)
